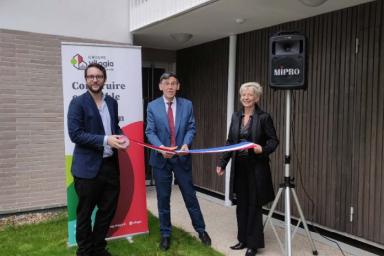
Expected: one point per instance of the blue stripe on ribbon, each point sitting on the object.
(239, 146)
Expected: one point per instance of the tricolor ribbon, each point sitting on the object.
(239, 146)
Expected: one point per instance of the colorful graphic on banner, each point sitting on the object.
(123, 65)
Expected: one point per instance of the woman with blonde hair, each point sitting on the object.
(251, 181)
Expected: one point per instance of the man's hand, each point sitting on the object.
(183, 148)
(167, 154)
(258, 149)
(219, 170)
(118, 141)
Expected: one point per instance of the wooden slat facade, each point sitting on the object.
(337, 123)
(203, 71)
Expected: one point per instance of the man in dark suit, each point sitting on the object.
(171, 125)
(93, 127)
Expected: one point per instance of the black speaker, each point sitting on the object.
(287, 61)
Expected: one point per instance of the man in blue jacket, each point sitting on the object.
(93, 127)
(171, 125)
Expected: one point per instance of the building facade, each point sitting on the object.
(337, 122)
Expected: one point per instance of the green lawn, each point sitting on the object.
(49, 238)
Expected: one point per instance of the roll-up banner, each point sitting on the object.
(123, 65)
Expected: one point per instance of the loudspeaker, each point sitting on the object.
(287, 61)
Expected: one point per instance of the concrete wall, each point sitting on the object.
(94, 19)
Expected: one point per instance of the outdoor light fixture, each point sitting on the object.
(313, 3)
(181, 37)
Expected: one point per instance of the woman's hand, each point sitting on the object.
(219, 170)
(257, 149)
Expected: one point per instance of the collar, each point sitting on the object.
(166, 101)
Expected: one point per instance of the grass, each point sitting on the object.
(50, 238)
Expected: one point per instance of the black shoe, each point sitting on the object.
(250, 252)
(205, 239)
(238, 246)
(165, 243)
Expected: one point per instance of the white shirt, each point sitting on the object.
(106, 119)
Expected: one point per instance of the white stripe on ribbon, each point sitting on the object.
(234, 147)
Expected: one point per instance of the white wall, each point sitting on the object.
(93, 19)
(145, 12)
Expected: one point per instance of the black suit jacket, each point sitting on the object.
(263, 133)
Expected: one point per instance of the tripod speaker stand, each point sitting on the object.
(289, 188)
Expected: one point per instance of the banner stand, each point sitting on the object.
(123, 65)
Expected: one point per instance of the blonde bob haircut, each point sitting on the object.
(256, 87)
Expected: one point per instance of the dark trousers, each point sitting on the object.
(101, 191)
(248, 213)
(163, 179)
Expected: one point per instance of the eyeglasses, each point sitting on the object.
(98, 78)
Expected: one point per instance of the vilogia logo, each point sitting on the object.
(78, 62)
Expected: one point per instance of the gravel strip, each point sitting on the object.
(29, 218)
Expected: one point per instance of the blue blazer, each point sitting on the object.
(158, 132)
(86, 130)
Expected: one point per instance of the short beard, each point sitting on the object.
(95, 91)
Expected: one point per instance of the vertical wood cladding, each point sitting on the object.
(203, 71)
(367, 144)
(337, 124)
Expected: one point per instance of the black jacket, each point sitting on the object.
(263, 133)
